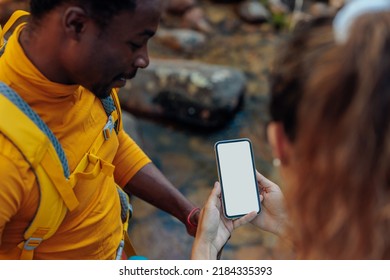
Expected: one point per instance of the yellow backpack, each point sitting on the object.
(15, 17)
(43, 152)
(2, 43)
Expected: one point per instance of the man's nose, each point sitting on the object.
(142, 58)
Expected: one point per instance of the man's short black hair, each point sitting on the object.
(100, 10)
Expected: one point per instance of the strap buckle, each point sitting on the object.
(107, 129)
(32, 243)
(119, 251)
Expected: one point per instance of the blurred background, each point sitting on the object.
(208, 81)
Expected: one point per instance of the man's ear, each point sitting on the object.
(74, 21)
(280, 144)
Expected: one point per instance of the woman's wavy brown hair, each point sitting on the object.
(339, 200)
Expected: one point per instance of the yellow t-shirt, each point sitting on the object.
(94, 229)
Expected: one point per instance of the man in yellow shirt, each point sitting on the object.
(68, 55)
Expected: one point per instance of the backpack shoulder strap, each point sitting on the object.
(18, 14)
(55, 191)
(25, 108)
(112, 108)
(2, 41)
(15, 17)
(115, 98)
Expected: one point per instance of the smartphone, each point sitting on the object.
(237, 176)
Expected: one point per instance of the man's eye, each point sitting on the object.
(135, 46)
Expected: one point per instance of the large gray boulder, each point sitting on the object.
(189, 92)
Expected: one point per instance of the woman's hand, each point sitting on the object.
(214, 229)
(273, 216)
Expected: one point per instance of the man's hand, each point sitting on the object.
(192, 221)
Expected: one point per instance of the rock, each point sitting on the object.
(299, 17)
(320, 9)
(336, 4)
(195, 18)
(194, 93)
(228, 26)
(289, 3)
(185, 40)
(179, 6)
(278, 7)
(253, 12)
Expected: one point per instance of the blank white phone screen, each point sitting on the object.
(237, 178)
